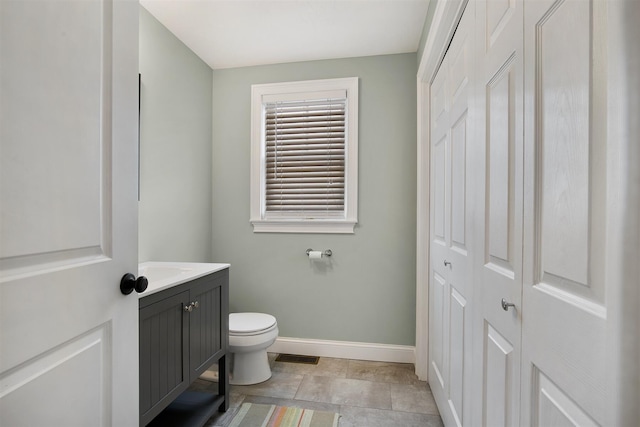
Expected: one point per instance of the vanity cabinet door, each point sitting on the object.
(208, 322)
(164, 341)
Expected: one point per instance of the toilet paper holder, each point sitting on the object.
(326, 252)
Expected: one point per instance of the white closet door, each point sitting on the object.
(498, 160)
(450, 284)
(568, 199)
(68, 222)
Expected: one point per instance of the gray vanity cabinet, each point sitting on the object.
(164, 346)
(183, 331)
(205, 334)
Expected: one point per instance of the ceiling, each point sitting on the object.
(240, 33)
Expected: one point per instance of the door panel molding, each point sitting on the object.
(457, 371)
(458, 170)
(44, 379)
(48, 201)
(498, 16)
(499, 395)
(500, 152)
(571, 176)
(551, 406)
(565, 224)
(437, 327)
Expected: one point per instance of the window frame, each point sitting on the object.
(296, 223)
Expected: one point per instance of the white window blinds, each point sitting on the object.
(305, 154)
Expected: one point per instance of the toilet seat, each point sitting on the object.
(248, 324)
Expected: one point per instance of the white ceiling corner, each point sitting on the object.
(239, 33)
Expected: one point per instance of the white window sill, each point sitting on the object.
(315, 226)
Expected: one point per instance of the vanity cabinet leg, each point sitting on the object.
(223, 382)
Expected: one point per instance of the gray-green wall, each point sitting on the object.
(366, 292)
(175, 148)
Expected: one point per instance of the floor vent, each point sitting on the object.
(295, 358)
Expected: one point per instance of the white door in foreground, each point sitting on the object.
(68, 223)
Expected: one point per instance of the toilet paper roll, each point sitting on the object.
(315, 254)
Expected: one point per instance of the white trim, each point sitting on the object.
(303, 226)
(422, 234)
(445, 19)
(256, 174)
(344, 350)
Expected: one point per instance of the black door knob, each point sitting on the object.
(129, 282)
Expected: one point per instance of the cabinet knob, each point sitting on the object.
(129, 283)
(190, 307)
(447, 263)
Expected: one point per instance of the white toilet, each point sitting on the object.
(250, 334)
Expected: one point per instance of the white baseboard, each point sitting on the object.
(345, 350)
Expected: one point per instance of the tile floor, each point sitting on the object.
(365, 394)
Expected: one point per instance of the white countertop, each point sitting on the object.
(164, 275)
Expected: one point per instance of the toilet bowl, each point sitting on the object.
(250, 334)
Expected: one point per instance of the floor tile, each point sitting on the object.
(384, 372)
(315, 389)
(366, 394)
(326, 367)
(351, 416)
(281, 384)
(345, 392)
(413, 398)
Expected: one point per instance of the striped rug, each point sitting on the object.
(255, 415)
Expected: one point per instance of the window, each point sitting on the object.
(304, 156)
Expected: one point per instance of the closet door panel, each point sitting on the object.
(498, 17)
(458, 185)
(451, 282)
(554, 408)
(499, 216)
(459, 63)
(460, 280)
(499, 385)
(439, 155)
(438, 325)
(437, 329)
(563, 124)
(500, 192)
(459, 71)
(457, 310)
(566, 208)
